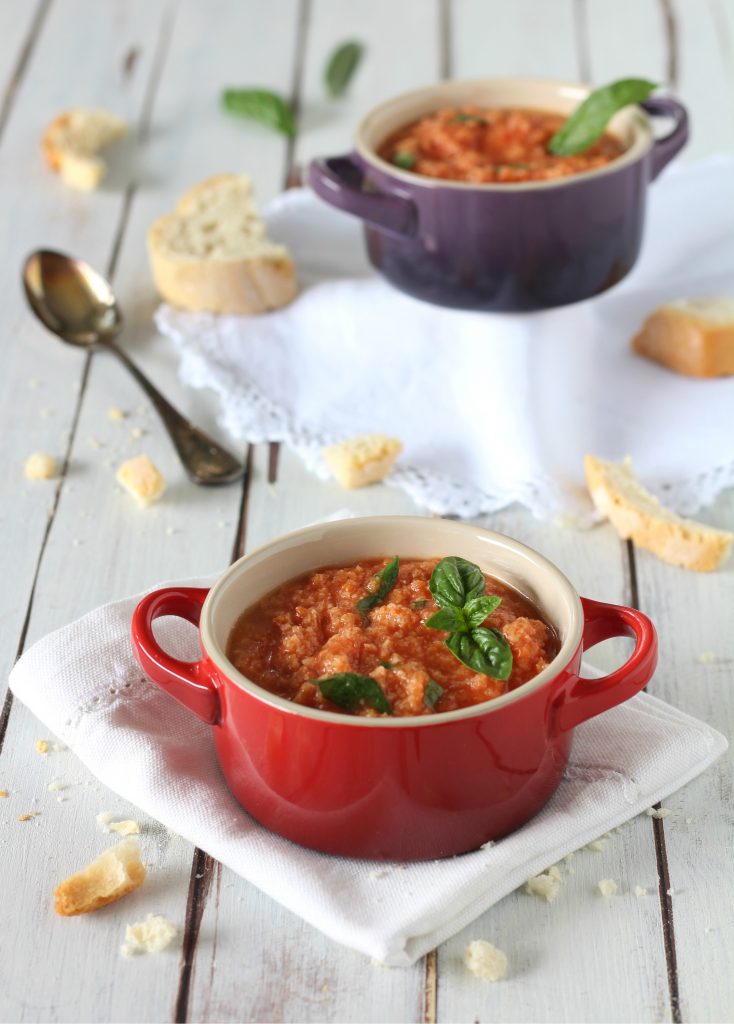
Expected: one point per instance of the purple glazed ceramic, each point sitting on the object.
(509, 247)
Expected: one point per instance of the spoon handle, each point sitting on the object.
(204, 460)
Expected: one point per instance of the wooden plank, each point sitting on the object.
(20, 24)
(323, 982)
(696, 658)
(560, 954)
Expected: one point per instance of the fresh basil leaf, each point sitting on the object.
(349, 689)
(432, 694)
(587, 123)
(450, 619)
(261, 105)
(404, 160)
(340, 67)
(483, 650)
(417, 605)
(477, 610)
(455, 581)
(382, 582)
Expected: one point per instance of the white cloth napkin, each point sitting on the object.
(492, 408)
(83, 682)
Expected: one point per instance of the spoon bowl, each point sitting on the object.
(71, 299)
(77, 304)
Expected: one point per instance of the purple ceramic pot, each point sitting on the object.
(509, 247)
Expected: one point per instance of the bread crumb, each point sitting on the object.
(136, 433)
(61, 799)
(113, 413)
(125, 828)
(72, 141)
(363, 459)
(706, 657)
(607, 887)
(326, 987)
(485, 961)
(27, 817)
(55, 786)
(115, 873)
(34, 383)
(58, 747)
(142, 479)
(3, 794)
(547, 884)
(660, 812)
(487, 845)
(42, 746)
(152, 935)
(597, 845)
(103, 820)
(40, 466)
(639, 890)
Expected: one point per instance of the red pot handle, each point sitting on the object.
(190, 682)
(589, 697)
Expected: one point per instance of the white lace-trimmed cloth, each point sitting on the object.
(491, 408)
(83, 682)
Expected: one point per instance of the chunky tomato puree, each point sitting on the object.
(491, 146)
(309, 629)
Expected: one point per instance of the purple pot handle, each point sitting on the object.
(665, 149)
(339, 180)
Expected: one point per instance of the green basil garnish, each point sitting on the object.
(432, 694)
(587, 123)
(261, 105)
(417, 605)
(349, 689)
(462, 118)
(383, 582)
(458, 589)
(340, 67)
(455, 581)
(404, 160)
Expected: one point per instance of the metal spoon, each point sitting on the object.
(78, 305)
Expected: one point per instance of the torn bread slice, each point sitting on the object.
(638, 515)
(363, 459)
(691, 336)
(212, 254)
(72, 142)
(109, 877)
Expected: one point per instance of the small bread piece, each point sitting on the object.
(485, 961)
(141, 478)
(40, 466)
(637, 514)
(109, 877)
(363, 459)
(72, 141)
(152, 935)
(212, 254)
(691, 336)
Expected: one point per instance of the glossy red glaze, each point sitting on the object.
(403, 791)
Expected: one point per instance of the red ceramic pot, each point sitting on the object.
(397, 788)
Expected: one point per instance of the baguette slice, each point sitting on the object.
(691, 336)
(109, 877)
(72, 141)
(637, 514)
(212, 254)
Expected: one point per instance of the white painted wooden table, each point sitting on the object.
(76, 542)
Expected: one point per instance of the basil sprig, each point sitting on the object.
(261, 105)
(381, 585)
(458, 589)
(340, 67)
(349, 689)
(587, 123)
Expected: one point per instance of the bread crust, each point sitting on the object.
(687, 343)
(637, 515)
(115, 873)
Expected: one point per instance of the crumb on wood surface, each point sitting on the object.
(485, 961)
